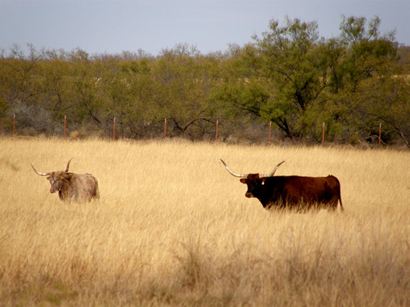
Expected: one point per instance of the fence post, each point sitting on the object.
(13, 124)
(270, 133)
(165, 127)
(380, 133)
(217, 130)
(323, 133)
(65, 126)
(114, 128)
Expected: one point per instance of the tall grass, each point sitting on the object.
(173, 228)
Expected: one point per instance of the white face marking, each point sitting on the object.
(263, 183)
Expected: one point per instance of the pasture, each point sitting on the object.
(172, 227)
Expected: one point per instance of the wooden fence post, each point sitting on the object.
(13, 124)
(165, 127)
(65, 126)
(217, 130)
(380, 133)
(323, 133)
(270, 133)
(114, 128)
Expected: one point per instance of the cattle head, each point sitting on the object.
(255, 182)
(57, 179)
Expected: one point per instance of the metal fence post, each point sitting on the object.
(217, 130)
(323, 133)
(65, 126)
(13, 123)
(114, 128)
(165, 127)
(380, 133)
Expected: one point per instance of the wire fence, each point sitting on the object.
(166, 133)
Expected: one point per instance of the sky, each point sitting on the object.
(114, 26)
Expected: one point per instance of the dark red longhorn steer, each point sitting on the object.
(291, 191)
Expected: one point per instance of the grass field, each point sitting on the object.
(172, 227)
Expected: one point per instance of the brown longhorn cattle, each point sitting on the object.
(293, 192)
(71, 186)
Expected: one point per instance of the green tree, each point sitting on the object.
(291, 59)
(363, 56)
(183, 79)
(367, 53)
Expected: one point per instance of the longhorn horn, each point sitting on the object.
(231, 172)
(68, 165)
(276, 167)
(39, 173)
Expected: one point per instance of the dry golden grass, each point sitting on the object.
(172, 227)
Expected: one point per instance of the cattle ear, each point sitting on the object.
(243, 180)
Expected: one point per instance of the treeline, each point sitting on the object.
(288, 76)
